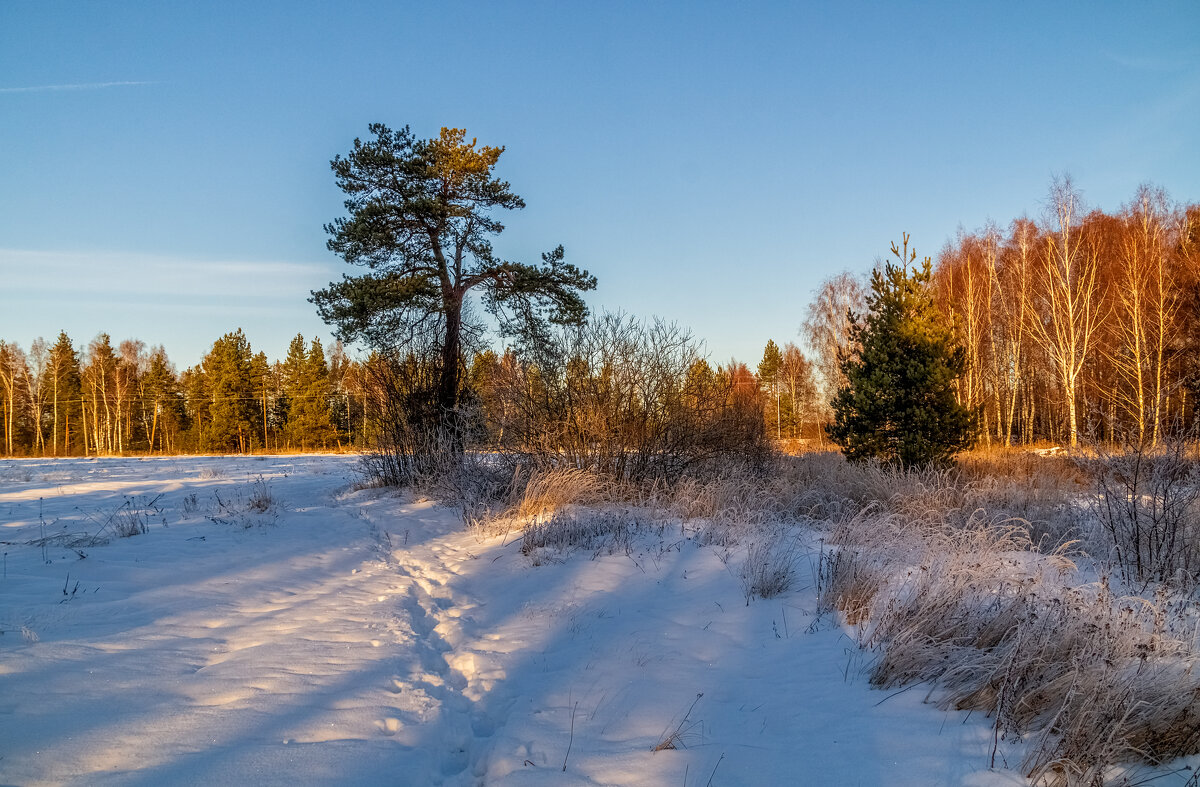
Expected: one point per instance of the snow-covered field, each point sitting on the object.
(274, 625)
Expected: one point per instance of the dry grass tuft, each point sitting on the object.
(602, 530)
(769, 569)
(969, 604)
(546, 491)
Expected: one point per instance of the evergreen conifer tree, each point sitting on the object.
(65, 394)
(309, 423)
(899, 403)
(768, 378)
(292, 378)
(260, 378)
(772, 359)
(194, 385)
(161, 402)
(227, 371)
(421, 217)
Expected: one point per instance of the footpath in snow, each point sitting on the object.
(274, 625)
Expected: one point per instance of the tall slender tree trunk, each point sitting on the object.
(56, 412)
(448, 385)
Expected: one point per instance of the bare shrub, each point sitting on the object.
(631, 400)
(411, 437)
(1148, 504)
(478, 487)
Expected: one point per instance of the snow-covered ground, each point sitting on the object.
(277, 626)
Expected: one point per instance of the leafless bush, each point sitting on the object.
(631, 400)
(411, 438)
(1148, 504)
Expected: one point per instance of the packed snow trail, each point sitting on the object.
(275, 626)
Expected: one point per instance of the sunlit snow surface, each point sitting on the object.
(358, 637)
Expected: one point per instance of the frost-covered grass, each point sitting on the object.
(997, 615)
(987, 582)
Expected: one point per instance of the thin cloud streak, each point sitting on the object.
(81, 86)
(29, 271)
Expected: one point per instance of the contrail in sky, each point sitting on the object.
(81, 86)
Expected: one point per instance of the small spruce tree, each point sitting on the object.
(899, 404)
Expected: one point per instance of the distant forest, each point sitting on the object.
(61, 401)
(1081, 324)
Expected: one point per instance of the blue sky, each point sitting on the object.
(164, 166)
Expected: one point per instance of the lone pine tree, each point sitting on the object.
(421, 215)
(899, 403)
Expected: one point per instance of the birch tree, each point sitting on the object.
(827, 329)
(1069, 298)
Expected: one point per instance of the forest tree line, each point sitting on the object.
(60, 400)
(1083, 322)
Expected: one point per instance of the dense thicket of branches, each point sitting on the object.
(1082, 322)
(631, 399)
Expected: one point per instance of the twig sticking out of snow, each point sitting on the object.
(675, 740)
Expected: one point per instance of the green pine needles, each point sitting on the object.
(899, 404)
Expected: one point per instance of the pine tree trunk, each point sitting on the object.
(448, 386)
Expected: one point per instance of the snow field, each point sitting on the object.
(343, 636)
